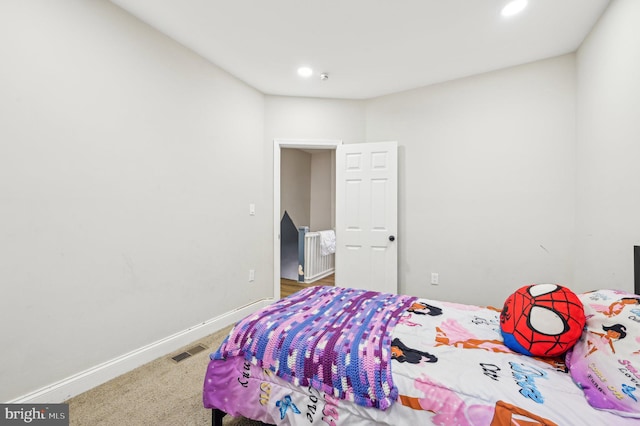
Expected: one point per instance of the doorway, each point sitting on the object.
(309, 146)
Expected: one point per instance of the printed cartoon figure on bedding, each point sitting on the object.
(611, 333)
(402, 353)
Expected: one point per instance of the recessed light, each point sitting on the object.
(305, 72)
(514, 7)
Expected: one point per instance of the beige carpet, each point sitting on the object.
(161, 392)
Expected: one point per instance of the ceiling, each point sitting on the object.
(369, 48)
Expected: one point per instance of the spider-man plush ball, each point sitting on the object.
(542, 320)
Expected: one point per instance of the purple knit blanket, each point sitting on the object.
(337, 340)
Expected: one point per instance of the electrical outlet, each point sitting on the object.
(252, 275)
(435, 279)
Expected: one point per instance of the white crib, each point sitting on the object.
(313, 265)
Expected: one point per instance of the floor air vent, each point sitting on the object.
(189, 352)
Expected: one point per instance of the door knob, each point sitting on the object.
(392, 238)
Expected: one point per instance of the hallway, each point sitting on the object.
(288, 287)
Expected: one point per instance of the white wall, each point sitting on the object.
(322, 203)
(295, 185)
(608, 154)
(310, 118)
(306, 187)
(486, 180)
(127, 165)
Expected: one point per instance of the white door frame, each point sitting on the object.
(278, 144)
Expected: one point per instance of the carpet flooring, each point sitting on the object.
(161, 392)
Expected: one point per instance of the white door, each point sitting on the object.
(366, 216)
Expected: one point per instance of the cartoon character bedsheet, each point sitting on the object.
(449, 366)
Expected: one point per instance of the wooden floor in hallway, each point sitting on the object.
(288, 287)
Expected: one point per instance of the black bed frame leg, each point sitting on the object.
(216, 417)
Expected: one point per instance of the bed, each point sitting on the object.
(340, 356)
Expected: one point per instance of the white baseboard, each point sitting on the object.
(78, 383)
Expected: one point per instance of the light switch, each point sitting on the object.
(252, 209)
(435, 278)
